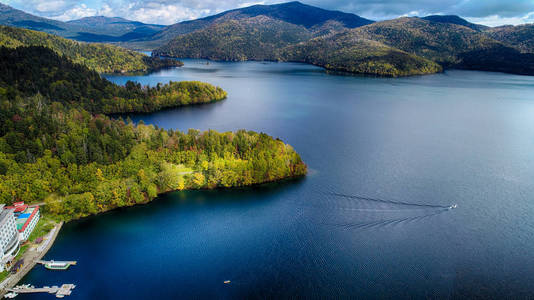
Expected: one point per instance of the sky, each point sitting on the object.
(487, 12)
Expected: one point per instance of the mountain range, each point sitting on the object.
(314, 19)
(298, 32)
(89, 29)
(398, 47)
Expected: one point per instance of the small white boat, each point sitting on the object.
(453, 206)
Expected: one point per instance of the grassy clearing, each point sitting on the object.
(4, 275)
(43, 227)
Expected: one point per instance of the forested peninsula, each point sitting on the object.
(30, 70)
(58, 146)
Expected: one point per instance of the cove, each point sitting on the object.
(418, 143)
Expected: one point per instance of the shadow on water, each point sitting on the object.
(202, 70)
(206, 107)
(252, 195)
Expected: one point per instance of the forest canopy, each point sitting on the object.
(101, 58)
(30, 70)
(57, 146)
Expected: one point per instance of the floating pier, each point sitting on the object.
(62, 291)
(56, 265)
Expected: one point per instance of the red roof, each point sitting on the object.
(18, 208)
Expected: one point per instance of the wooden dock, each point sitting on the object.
(62, 291)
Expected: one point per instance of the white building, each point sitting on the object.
(26, 221)
(9, 236)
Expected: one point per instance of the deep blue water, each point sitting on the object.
(461, 137)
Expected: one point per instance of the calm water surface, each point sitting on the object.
(413, 145)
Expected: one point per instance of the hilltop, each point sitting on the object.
(452, 19)
(312, 18)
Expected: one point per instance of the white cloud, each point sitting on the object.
(245, 4)
(51, 6)
(496, 20)
(76, 12)
(413, 13)
(489, 12)
(162, 14)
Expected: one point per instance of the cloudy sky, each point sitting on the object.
(488, 12)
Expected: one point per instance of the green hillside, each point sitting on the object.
(409, 40)
(82, 162)
(31, 70)
(360, 56)
(520, 37)
(399, 47)
(258, 38)
(440, 42)
(99, 57)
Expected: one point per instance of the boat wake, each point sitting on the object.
(384, 223)
(376, 212)
(393, 202)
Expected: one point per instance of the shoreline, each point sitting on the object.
(146, 202)
(38, 252)
(30, 258)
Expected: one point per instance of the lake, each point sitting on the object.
(386, 157)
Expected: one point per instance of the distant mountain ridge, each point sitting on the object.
(90, 29)
(295, 13)
(14, 17)
(117, 29)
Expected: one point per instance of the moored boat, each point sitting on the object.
(59, 265)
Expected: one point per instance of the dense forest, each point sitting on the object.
(80, 162)
(520, 37)
(101, 58)
(31, 70)
(359, 56)
(451, 45)
(399, 47)
(263, 38)
(258, 38)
